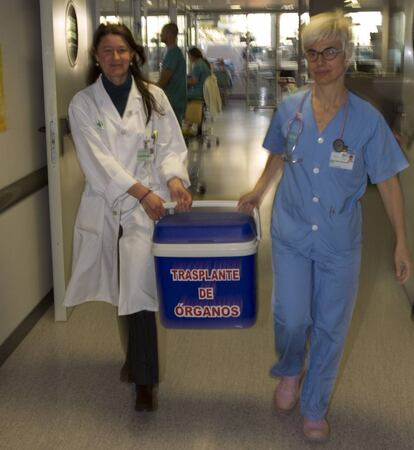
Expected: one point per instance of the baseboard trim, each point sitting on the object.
(17, 336)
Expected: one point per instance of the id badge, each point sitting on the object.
(145, 153)
(342, 160)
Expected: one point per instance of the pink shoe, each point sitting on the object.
(287, 394)
(316, 430)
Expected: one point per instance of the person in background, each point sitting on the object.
(173, 77)
(224, 79)
(324, 143)
(200, 70)
(133, 155)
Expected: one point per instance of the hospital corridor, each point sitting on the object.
(60, 388)
(109, 108)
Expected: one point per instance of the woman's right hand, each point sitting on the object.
(249, 201)
(272, 172)
(153, 205)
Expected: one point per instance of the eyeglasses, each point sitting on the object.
(328, 54)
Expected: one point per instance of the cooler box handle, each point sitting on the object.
(221, 204)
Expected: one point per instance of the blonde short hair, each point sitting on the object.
(329, 25)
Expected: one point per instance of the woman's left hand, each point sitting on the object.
(180, 194)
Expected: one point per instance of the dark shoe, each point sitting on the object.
(146, 397)
(125, 375)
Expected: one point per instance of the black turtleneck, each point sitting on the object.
(118, 92)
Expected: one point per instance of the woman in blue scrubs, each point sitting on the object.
(324, 143)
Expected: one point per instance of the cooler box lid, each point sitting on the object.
(202, 227)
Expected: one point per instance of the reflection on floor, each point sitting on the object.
(60, 388)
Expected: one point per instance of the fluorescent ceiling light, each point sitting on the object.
(235, 7)
(352, 3)
(110, 19)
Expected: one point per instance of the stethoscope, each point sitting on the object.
(295, 128)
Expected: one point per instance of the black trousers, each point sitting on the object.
(142, 354)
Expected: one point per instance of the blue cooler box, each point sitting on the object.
(205, 267)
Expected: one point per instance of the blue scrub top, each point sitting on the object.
(200, 72)
(317, 206)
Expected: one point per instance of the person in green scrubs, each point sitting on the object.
(201, 69)
(173, 77)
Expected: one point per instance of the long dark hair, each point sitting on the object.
(196, 53)
(150, 104)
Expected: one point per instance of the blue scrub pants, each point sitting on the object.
(313, 300)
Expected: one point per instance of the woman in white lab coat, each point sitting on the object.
(133, 155)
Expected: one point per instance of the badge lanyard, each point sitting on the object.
(146, 154)
(292, 135)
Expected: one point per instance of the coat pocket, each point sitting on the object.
(91, 214)
(88, 240)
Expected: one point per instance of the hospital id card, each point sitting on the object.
(146, 153)
(342, 160)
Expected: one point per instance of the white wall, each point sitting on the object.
(22, 146)
(407, 176)
(25, 262)
(407, 184)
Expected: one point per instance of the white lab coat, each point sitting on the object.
(212, 97)
(107, 146)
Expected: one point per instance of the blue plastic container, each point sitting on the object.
(205, 268)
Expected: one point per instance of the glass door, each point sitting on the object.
(258, 50)
(260, 59)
